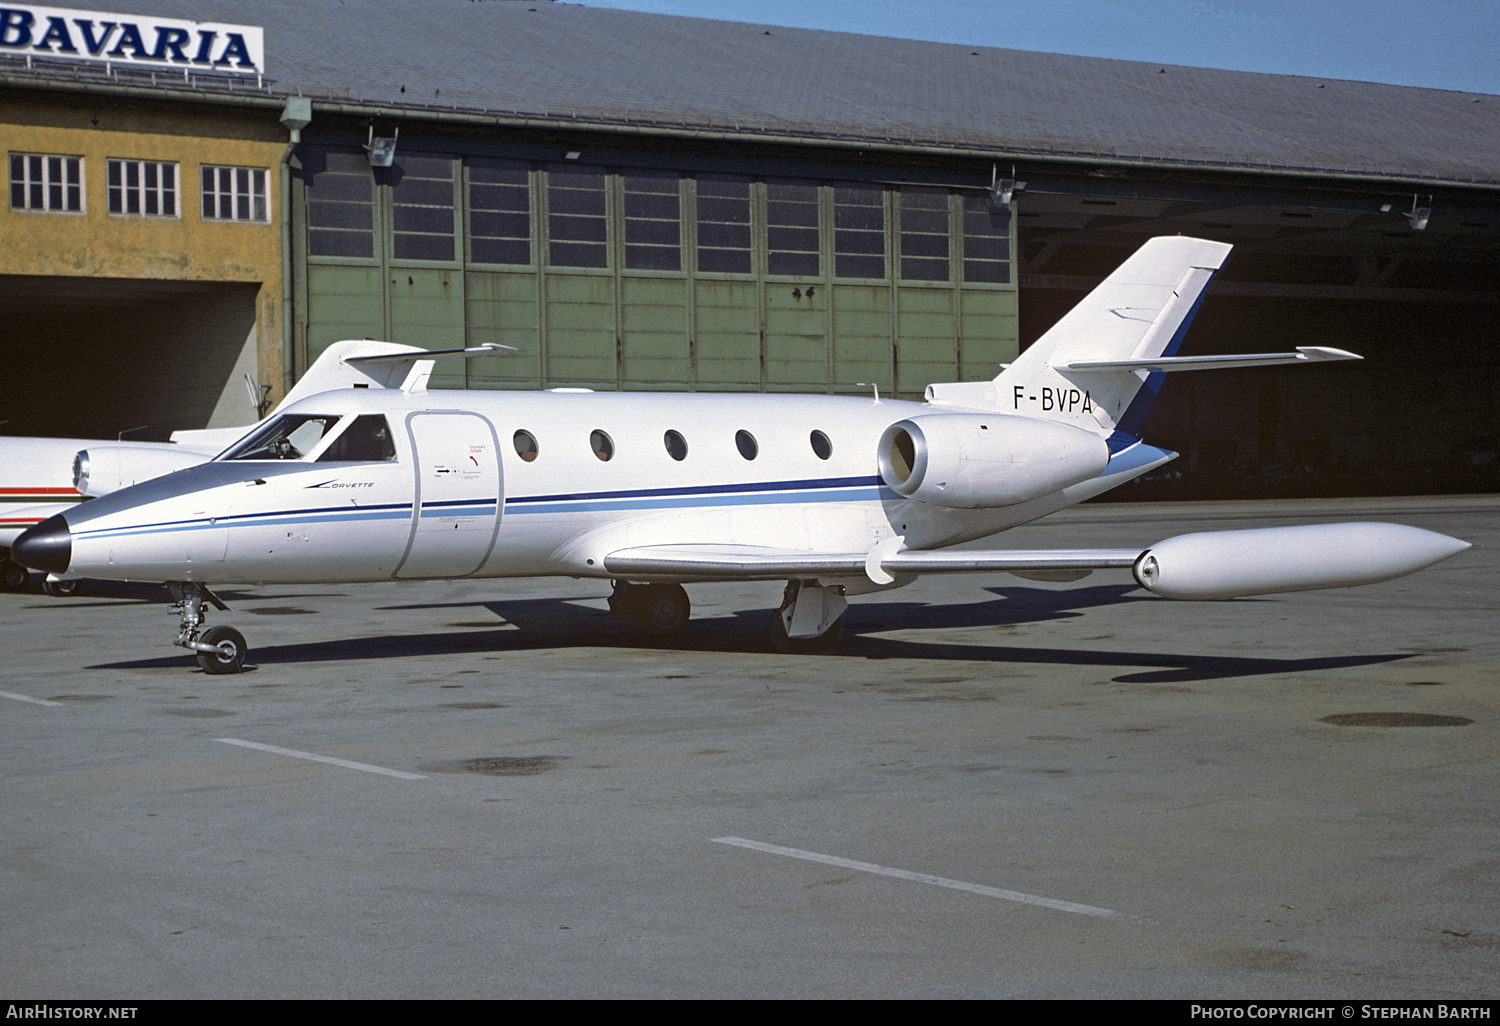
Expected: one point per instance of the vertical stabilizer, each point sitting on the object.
(1141, 311)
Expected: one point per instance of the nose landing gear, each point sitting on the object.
(220, 649)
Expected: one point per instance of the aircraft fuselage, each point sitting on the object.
(508, 484)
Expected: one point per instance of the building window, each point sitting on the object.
(422, 208)
(859, 231)
(986, 242)
(723, 224)
(340, 204)
(653, 220)
(234, 194)
(499, 212)
(792, 228)
(144, 188)
(42, 182)
(924, 234)
(577, 217)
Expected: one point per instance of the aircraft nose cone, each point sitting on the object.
(46, 546)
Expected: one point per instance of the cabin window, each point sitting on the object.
(289, 437)
(676, 445)
(525, 446)
(745, 442)
(603, 447)
(821, 446)
(367, 440)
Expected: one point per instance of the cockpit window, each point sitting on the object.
(288, 437)
(367, 440)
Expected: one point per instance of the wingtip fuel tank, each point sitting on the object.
(1232, 564)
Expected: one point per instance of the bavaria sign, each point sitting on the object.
(131, 39)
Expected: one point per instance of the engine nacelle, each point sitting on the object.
(99, 470)
(973, 460)
(1262, 561)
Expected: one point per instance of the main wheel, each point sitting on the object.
(231, 650)
(66, 588)
(16, 576)
(664, 610)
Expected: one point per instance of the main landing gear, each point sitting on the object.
(61, 587)
(220, 649)
(660, 610)
(810, 617)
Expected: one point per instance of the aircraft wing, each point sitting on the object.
(762, 563)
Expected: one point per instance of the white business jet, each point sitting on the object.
(41, 477)
(836, 496)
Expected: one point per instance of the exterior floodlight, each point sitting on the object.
(572, 155)
(1417, 216)
(382, 151)
(1003, 190)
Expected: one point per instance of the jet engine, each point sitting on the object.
(974, 460)
(100, 470)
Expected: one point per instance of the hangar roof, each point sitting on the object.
(541, 62)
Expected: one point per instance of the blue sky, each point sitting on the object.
(1440, 44)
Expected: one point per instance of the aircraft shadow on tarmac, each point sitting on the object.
(529, 624)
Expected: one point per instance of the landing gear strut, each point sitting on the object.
(660, 610)
(220, 649)
(810, 617)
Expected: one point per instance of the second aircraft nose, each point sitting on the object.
(46, 546)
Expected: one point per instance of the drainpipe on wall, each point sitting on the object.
(296, 115)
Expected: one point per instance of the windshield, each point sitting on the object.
(288, 437)
(367, 440)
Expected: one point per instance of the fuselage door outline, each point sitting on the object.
(460, 479)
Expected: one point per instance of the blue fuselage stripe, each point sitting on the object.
(851, 489)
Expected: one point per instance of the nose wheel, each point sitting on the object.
(220, 649)
(227, 652)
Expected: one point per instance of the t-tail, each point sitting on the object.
(1101, 365)
(1140, 312)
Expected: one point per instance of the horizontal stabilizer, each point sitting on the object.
(1304, 354)
(487, 349)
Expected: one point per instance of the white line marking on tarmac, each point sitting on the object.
(27, 698)
(936, 881)
(320, 758)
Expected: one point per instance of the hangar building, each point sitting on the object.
(639, 201)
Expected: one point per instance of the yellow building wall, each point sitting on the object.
(97, 244)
